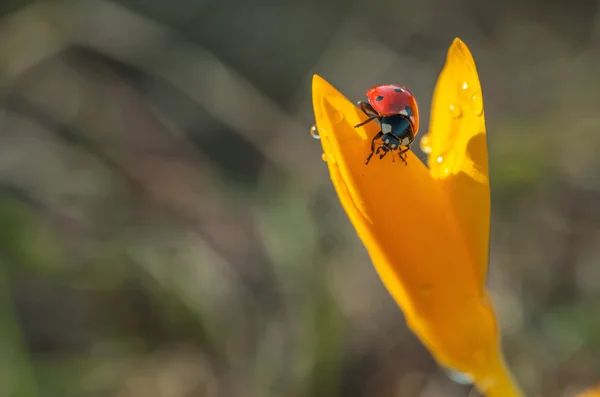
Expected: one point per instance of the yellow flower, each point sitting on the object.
(426, 230)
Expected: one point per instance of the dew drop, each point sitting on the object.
(334, 103)
(459, 377)
(337, 117)
(331, 159)
(477, 104)
(455, 111)
(440, 159)
(425, 144)
(314, 132)
(465, 85)
(324, 157)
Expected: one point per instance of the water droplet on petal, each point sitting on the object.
(477, 104)
(459, 377)
(324, 157)
(425, 144)
(331, 159)
(314, 132)
(465, 85)
(337, 117)
(332, 105)
(439, 159)
(455, 110)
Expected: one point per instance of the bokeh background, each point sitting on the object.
(168, 229)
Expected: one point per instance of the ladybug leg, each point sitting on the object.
(402, 154)
(366, 121)
(384, 153)
(377, 136)
(384, 149)
(404, 150)
(403, 160)
(369, 111)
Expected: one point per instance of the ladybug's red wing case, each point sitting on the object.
(396, 110)
(390, 99)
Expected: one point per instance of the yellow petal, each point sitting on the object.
(403, 218)
(458, 157)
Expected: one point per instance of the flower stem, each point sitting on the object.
(499, 382)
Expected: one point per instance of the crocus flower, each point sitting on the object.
(427, 229)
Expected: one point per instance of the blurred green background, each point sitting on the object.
(167, 228)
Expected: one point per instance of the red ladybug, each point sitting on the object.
(396, 110)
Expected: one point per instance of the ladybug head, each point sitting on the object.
(398, 126)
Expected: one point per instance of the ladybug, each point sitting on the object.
(396, 110)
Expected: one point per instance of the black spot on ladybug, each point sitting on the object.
(379, 98)
(398, 90)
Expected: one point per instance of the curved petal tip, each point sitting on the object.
(318, 81)
(457, 42)
(459, 52)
